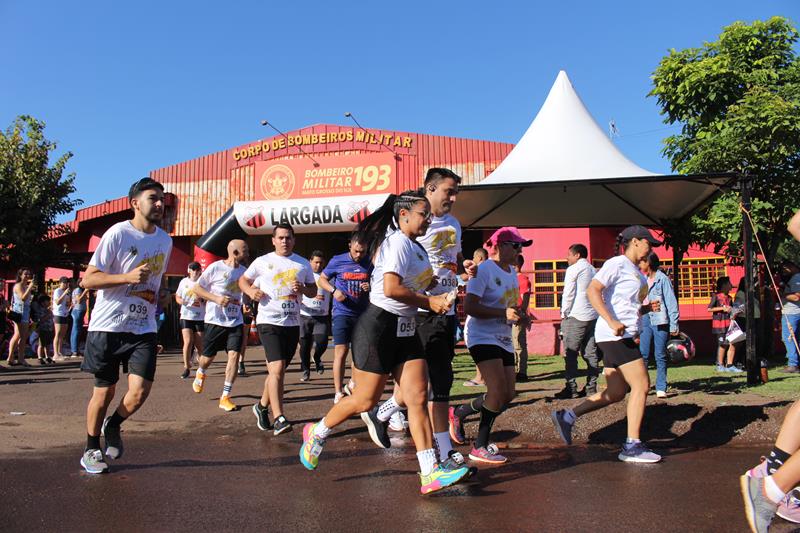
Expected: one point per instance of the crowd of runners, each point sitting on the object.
(390, 301)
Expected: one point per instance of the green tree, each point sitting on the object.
(32, 194)
(737, 100)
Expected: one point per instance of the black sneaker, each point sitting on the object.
(185, 373)
(587, 391)
(262, 417)
(567, 393)
(306, 375)
(242, 371)
(320, 368)
(113, 436)
(378, 431)
(281, 425)
(521, 378)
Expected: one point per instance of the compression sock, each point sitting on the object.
(92, 442)
(775, 459)
(427, 461)
(115, 420)
(387, 409)
(443, 444)
(466, 409)
(321, 430)
(485, 426)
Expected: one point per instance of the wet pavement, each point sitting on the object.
(189, 466)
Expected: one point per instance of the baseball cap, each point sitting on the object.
(508, 234)
(143, 185)
(639, 232)
(194, 265)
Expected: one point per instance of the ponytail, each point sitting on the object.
(621, 244)
(372, 230)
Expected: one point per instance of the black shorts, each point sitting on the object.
(15, 317)
(198, 326)
(438, 336)
(106, 351)
(314, 326)
(722, 340)
(60, 319)
(221, 339)
(377, 348)
(279, 342)
(248, 319)
(487, 352)
(46, 336)
(617, 353)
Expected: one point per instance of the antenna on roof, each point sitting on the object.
(267, 123)
(612, 129)
(351, 117)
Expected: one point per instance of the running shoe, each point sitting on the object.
(281, 425)
(306, 375)
(311, 448)
(377, 429)
(197, 384)
(661, 394)
(441, 478)
(758, 509)
(185, 373)
(262, 417)
(489, 454)
(638, 453)
(336, 397)
(226, 404)
(113, 436)
(563, 427)
(242, 370)
(93, 462)
(456, 427)
(789, 508)
(320, 368)
(762, 470)
(348, 389)
(456, 460)
(398, 421)
(721, 368)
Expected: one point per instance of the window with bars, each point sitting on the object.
(698, 277)
(547, 284)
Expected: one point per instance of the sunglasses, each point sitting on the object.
(426, 216)
(514, 245)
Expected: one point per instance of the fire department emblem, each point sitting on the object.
(277, 182)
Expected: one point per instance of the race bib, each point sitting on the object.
(289, 308)
(406, 326)
(137, 311)
(232, 309)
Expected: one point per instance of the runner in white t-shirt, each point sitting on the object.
(616, 293)
(385, 341)
(126, 270)
(315, 324)
(218, 285)
(277, 281)
(492, 306)
(60, 306)
(192, 311)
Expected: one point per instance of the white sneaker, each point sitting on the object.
(398, 421)
(336, 397)
(661, 394)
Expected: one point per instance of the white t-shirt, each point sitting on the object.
(129, 308)
(274, 275)
(315, 306)
(192, 307)
(61, 309)
(625, 290)
(442, 241)
(498, 289)
(407, 259)
(223, 280)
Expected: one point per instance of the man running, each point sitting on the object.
(126, 270)
(314, 317)
(191, 316)
(219, 287)
(347, 278)
(276, 281)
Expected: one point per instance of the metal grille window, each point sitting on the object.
(548, 284)
(698, 277)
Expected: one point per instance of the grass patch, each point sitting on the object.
(696, 381)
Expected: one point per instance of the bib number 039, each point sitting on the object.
(137, 310)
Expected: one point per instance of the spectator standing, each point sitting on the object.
(60, 307)
(78, 312)
(519, 329)
(720, 307)
(20, 315)
(790, 314)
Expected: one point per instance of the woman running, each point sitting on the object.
(385, 341)
(20, 315)
(617, 292)
(491, 308)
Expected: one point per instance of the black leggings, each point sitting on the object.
(321, 344)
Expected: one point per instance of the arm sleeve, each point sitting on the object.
(570, 290)
(252, 270)
(331, 269)
(608, 274)
(205, 278)
(106, 253)
(669, 299)
(477, 285)
(396, 259)
(308, 275)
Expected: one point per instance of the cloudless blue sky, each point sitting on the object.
(132, 87)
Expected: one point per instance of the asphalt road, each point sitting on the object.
(190, 466)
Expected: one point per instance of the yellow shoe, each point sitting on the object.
(197, 384)
(226, 404)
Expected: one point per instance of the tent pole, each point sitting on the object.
(753, 367)
(676, 272)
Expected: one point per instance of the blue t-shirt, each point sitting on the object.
(347, 276)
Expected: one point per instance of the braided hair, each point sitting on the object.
(372, 230)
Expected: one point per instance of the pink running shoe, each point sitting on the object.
(487, 455)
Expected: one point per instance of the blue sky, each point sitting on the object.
(131, 87)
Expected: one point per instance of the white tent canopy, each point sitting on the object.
(564, 171)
